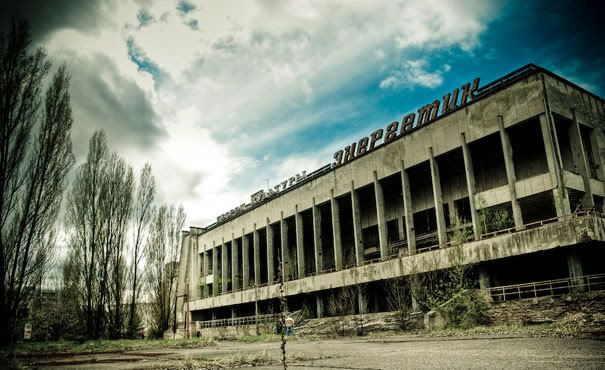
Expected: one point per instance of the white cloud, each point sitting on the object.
(414, 73)
(223, 83)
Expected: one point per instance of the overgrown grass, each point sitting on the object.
(99, 346)
(263, 338)
(511, 329)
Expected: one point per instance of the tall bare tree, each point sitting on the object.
(99, 209)
(32, 172)
(85, 225)
(142, 212)
(162, 251)
(118, 190)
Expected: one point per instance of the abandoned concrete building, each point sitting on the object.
(518, 165)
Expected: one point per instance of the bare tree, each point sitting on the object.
(142, 212)
(32, 173)
(99, 209)
(85, 225)
(118, 189)
(161, 253)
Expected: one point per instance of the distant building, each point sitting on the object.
(516, 162)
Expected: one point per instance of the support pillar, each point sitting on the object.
(245, 261)
(256, 250)
(285, 249)
(560, 195)
(317, 245)
(215, 274)
(357, 235)
(300, 251)
(336, 231)
(576, 271)
(408, 211)
(380, 218)
(470, 185)
(597, 146)
(320, 305)
(438, 198)
(235, 274)
(195, 266)
(270, 249)
(205, 272)
(362, 300)
(400, 228)
(453, 213)
(224, 268)
(484, 279)
(578, 150)
(509, 164)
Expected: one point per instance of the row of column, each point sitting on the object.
(551, 149)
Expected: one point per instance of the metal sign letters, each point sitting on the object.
(426, 115)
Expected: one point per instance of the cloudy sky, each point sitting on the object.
(221, 96)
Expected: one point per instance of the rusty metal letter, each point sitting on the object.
(450, 105)
(349, 152)
(469, 92)
(374, 137)
(407, 123)
(337, 158)
(362, 146)
(428, 113)
(391, 131)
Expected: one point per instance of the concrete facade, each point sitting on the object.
(529, 147)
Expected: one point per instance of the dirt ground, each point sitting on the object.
(392, 352)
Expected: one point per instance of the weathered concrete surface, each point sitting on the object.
(550, 236)
(393, 352)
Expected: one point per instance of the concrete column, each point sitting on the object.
(336, 231)
(362, 300)
(300, 251)
(194, 293)
(245, 261)
(380, 218)
(400, 228)
(453, 212)
(215, 274)
(484, 280)
(320, 305)
(470, 185)
(408, 211)
(270, 249)
(509, 164)
(357, 235)
(576, 270)
(317, 245)
(256, 250)
(285, 249)
(597, 144)
(578, 149)
(438, 198)
(225, 268)
(205, 264)
(414, 287)
(235, 266)
(560, 195)
(549, 149)
(233, 312)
